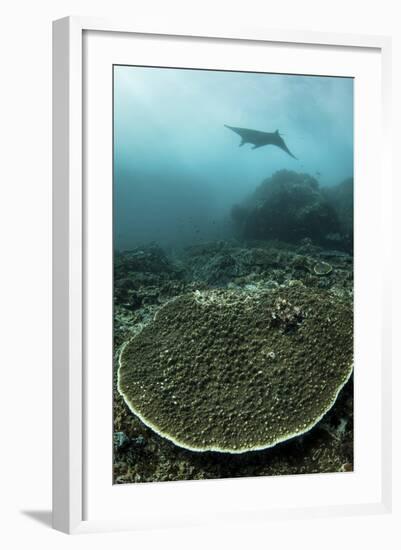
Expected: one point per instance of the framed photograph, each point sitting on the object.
(220, 324)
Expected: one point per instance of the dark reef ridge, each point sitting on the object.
(290, 206)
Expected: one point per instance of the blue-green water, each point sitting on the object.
(178, 171)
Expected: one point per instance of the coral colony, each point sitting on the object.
(235, 371)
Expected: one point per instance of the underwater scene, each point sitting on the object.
(233, 274)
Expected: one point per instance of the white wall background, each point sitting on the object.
(25, 399)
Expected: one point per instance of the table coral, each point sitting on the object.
(234, 371)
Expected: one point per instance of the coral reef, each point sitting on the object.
(290, 206)
(260, 266)
(220, 263)
(341, 198)
(269, 263)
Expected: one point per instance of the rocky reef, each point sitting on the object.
(150, 283)
(290, 206)
(341, 197)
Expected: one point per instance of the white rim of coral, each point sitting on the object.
(227, 450)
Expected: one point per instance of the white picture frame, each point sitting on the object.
(73, 475)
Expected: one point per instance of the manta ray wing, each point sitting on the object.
(247, 135)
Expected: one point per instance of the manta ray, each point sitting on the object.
(260, 139)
